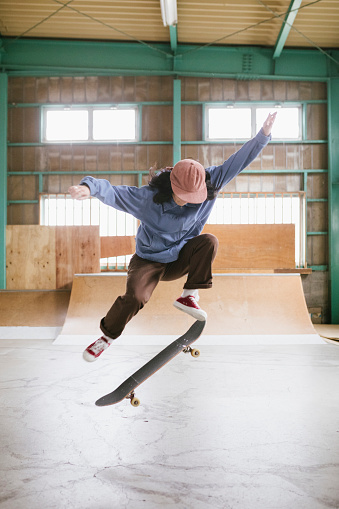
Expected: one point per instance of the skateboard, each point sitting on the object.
(127, 388)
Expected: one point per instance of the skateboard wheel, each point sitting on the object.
(195, 352)
(135, 402)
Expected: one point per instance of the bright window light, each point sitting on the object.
(230, 208)
(265, 208)
(66, 125)
(286, 125)
(62, 210)
(114, 124)
(89, 124)
(228, 123)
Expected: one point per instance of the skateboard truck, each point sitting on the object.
(134, 401)
(193, 351)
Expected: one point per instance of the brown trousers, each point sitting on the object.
(195, 259)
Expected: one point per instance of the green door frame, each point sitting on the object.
(333, 191)
(3, 177)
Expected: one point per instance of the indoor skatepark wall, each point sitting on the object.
(241, 308)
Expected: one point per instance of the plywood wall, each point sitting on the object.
(47, 257)
(253, 246)
(77, 251)
(30, 258)
(241, 246)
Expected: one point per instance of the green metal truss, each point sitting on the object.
(35, 57)
(286, 27)
(174, 38)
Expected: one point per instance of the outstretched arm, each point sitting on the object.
(129, 199)
(221, 175)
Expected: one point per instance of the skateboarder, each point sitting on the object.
(172, 210)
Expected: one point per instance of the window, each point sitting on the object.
(229, 122)
(62, 210)
(115, 124)
(287, 124)
(66, 125)
(265, 208)
(230, 208)
(89, 124)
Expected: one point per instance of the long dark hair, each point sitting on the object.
(161, 180)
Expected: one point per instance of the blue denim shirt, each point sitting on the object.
(165, 228)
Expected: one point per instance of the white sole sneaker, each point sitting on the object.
(98, 347)
(88, 357)
(198, 314)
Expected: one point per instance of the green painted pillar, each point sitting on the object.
(176, 121)
(3, 177)
(333, 183)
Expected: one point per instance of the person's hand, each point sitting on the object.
(267, 125)
(79, 192)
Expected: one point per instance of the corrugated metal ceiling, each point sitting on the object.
(237, 22)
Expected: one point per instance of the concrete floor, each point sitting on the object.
(241, 427)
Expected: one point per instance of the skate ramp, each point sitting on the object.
(241, 309)
(329, 332)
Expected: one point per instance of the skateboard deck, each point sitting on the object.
(126, 389)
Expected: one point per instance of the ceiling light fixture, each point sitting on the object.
(169, 12)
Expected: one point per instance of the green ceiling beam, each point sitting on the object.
(286, 27)
(35, 57)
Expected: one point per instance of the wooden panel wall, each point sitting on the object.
(253, 246)
(30, 254)
(241, 246)
(77, 251)
(117, 246)
(47, 257)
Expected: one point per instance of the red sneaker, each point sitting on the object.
(189, 305)
(94, 350)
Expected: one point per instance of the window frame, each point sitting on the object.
(253, 107)
(113, 222)
(90, 109)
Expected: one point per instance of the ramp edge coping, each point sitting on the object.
(115, 274)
